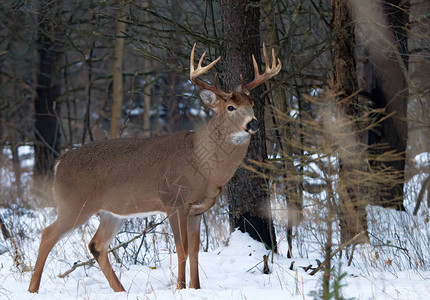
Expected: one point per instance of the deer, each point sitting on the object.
(180, 175)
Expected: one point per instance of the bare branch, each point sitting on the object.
(92, 260)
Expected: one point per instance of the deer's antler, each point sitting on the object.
(194, 73)
(268, 73)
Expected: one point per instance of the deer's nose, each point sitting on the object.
(253, 125)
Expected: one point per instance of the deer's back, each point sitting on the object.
(127, 169)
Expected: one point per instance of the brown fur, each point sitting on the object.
(124, 176)
(180, 174)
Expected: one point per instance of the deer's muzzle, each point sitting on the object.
(252, 126)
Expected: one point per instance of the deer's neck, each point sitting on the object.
(223, 134)
(216, 154)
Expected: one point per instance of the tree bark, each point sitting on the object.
(146, 118)
(146, 103)
(382, 77)
(249, 202)
(47, 107)
(117, 93)
(284, 129)
(351, 206)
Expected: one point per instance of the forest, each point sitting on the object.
(332, 200)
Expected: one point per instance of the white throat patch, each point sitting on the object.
(240, 137)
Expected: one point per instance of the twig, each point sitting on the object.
(90, 261)
(351, 241)
(382, 244)
(266, 269)
(307, 268)
(352, 255)
(4, 230)
(254, 266)
(421, 195)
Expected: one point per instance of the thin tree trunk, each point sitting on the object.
(68, 109)
(117, 94)
(146, 104)
(283, 129)
(249, 202)
(47, 106)
(88, 87)
(146, 95)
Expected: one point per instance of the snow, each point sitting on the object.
(422, 160)
(233, 271)
(395, 265)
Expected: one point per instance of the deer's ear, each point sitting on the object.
(209, 98)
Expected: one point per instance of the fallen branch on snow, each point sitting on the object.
(351, 241)
(92, 260)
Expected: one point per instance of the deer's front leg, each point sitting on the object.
(178, 222)
(194, 243)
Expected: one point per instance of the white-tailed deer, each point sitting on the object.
(179, 174)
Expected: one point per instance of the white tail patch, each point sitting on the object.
(240, 137)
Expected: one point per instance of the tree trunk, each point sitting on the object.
(47, 107)
(249, 202)
(382, 78)
(147, 103)
(284, 129)
(117, 93)
(418, 67)
(146, 118)
(351, 206)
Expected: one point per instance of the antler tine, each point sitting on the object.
(192, 60)
(274, 59)
(266, 59)
(254, 62)
(194, 73)
(270, 70)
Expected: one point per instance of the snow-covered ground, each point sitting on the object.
(396, 264)
(229, 272)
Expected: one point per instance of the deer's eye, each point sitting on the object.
(231, 108)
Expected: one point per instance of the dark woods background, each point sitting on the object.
(341, 122)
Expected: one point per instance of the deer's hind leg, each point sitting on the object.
(65, 222)
(108, 228)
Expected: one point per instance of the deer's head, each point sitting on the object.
(235, 108)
